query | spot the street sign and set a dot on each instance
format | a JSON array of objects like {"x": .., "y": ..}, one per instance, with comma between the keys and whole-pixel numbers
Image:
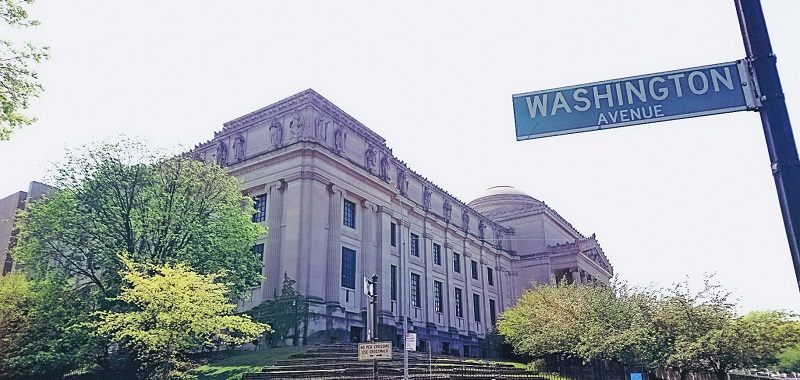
[
  {"x": 375, "y": 351},
  {"x": 411, "y": 342},
  {"x": 367, "y": 287},
  {"x": 679, "y": 94}
]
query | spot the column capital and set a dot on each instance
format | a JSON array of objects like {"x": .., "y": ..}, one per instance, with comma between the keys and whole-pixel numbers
[
  {"x": 333, "y": 189},
  {"x": 367, "y": 204},
  {"x": 277, "y": 185}
]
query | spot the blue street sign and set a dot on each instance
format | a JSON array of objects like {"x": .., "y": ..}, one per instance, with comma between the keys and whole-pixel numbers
[{"x": 698, "y": 91}]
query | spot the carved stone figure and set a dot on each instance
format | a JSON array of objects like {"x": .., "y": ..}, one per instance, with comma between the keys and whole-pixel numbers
[
  {"x": 426, "y": 198},
  {"x": 481, "y": 228},
  {"x": 465, "y": 219},
  {"x": 296, "y": 126},
  {"x": 321, "y": 129},
  {"x": 369, "y": 158},
  {"x": 238, "y": 147},
  {"x": 385, "y": 167},
  {"x": 222, "y": 154},
  {"x": 448, "y": 210},
  {"x": 402, "y": 184},
  {"x": 276, "y": 133},
  {"x": 339, "y": 138},
  {"x": 499, "y": 236}
]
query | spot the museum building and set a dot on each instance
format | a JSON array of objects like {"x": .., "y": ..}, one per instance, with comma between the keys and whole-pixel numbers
[{"x": 339, "y": 207}]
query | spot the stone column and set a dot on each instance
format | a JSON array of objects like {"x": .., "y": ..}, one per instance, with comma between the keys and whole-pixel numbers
[
  {"x": 333, "y": 272},
  {"x": 573, "y": 272},
  {"x": 272, "y": 259}
]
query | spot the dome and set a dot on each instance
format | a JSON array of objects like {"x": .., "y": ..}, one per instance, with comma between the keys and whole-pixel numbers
[{"x": 501, "y": 197}]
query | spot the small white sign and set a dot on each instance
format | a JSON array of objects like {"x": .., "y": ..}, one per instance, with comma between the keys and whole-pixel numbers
[
  {"x": 375, "y": 351},
  {"x": 411, "y": 342},
  {"x": 366, "y": 287}
]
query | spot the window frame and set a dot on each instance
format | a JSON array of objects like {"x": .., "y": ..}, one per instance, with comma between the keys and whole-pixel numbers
[
  {"x": 437, "y": 254},
  {"x": 459, "y": 301},
  {"x": 348, "y": 275},
  {"x": 414, "y": 245},
  {"x": 490, "y": 276},
  {"x": 437, "y": 296},
  {"x": 260, "y": 205},
  {"x": 474, "y": 266},
  {"x": 416, "y": 298},
  {"x": 349, "y": 214},
  {"x": 393, "y": 283},
  {"x": 456, "y": 262},
  {"x": 393, "y": 234},
  {"x": 476, "y": 306}
]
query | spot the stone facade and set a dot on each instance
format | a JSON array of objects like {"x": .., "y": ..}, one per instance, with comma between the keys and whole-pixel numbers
[{"x": 339, "y": 206}]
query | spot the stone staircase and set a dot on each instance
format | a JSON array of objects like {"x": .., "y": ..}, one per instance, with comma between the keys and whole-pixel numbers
[{"x": 340, "y": 361}]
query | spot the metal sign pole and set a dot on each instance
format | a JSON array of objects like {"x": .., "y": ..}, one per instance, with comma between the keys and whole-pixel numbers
[
  {"x": 775, "y": 121},
  {"x": 374, "y": 302}
]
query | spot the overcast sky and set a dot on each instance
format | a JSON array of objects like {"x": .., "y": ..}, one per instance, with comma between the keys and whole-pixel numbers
[{"x": 666, "y": 200}]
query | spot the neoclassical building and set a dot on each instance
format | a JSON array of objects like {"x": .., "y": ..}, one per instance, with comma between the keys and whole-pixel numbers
[{"x": 339, "y": 206}]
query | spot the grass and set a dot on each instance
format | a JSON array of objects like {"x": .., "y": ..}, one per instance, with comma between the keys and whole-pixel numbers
[{"x": 232, "y": 366}]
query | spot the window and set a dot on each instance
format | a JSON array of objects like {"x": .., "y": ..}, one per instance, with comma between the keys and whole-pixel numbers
[
  {"x": 476, "y": 307},
  {"x": 393, "y": 239},
  {"x": 415, "y": 245},
  {"x": 415, "y": 299},
  {"x": 459, "y": 304},
  {"x": 437, "y": 296},
  {"x": 437, "y": 254},
  {"x": 456, "y": 262},
  {"x": 393, "y": 293},
  {"x": 492, "y": 311},
  {"x": 261, "y": 208},
  {"x": 349, "y": 218},
  {"x": 490, "y": 276},
  {"x": 474, "y": 270},
  {"x": 348, "y": 268},
  {"x": 258, "y": 251}
]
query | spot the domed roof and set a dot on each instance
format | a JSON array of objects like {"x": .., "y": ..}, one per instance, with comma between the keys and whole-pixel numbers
[{"x": 501, "y": 197}]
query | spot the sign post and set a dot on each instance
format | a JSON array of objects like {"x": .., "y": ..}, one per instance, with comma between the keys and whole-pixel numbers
[{"x": 775, "y": 121}]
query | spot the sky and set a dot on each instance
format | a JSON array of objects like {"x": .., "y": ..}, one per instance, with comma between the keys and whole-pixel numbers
[{"x": 668, "y": 201}]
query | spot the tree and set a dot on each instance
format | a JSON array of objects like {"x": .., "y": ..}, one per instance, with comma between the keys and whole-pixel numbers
[
  {"x": 15, "y": 296},
  {"x": 121, "y": 197},
  {"x": 171, "y": 311},
  {"x": 56, "y": 338},
  {"x": 287, "y": 315},
  {"x": 18, "y": 82},
  {"x": 587, "y": 322}
]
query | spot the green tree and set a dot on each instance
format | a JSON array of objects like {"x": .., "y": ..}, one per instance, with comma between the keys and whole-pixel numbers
[
  {"x": 56, "y": 339},
  {"x": 588, "y": 322},
  {"x": 15, "y": 297},
  {"x": 287, "y": 314},
  {"x": 18, "y": 82},
  {"x": 120, "y": 197},
  {"x": 171, "y": 312}
]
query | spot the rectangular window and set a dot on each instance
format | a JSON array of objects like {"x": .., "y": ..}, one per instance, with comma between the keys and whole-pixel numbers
[
  {"x": 415, "y": 296},
  {"x": 261, "y": 208},
  {"x": 459, "y": 304},
  {"x": 349, "y": 218},
  {"x": 490, "y": 276},
  {"x": 437, "y": 254},
  {"x": 393, "y": 236},
  {"x": 492, "y": 312},
  {"x": 456, "y": 262},
  {"x": 476, "y": 307},
  {"x": 258, "y": 251},
  {"x": 437, "y": 296},
  {"x": 348, "y": 268},
  {"x": 474, "y": 270},
  {"x": 415, "y": 245},
  {"x": 393, "y": 294}
]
